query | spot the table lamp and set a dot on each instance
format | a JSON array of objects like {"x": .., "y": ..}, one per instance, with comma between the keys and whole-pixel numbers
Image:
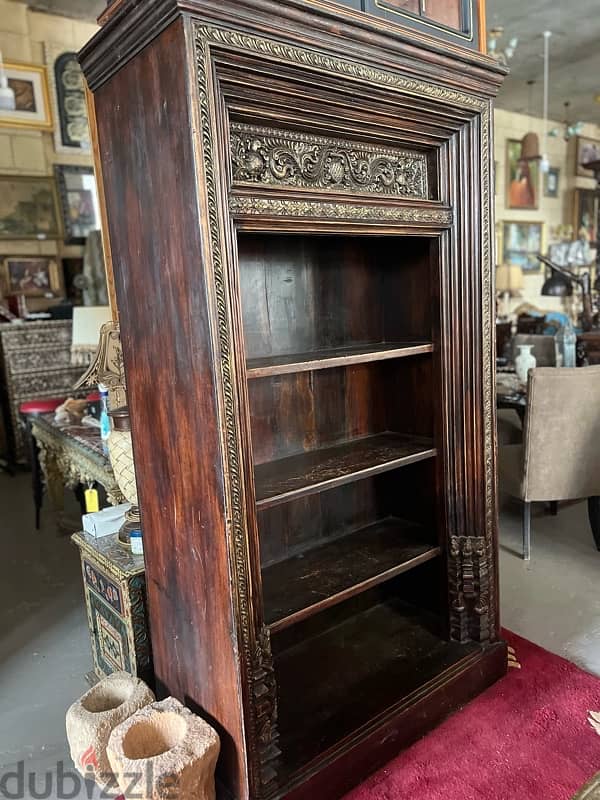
[
  {"x": 509, "y": 282},
  {"x": 87, "y": 321}
]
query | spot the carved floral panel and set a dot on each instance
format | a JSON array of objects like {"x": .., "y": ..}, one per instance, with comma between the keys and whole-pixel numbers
[{"x": 266, "y": 156}]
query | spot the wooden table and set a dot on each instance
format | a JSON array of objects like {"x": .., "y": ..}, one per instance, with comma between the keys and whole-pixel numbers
[
  {"x": 510, "y": 392},
  {"x": 70, "y": 456}
]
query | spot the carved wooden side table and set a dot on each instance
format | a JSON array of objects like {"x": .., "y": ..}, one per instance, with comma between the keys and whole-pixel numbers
[
  {"x": 71, "y": 455},
  {"x": 114, "y": 583}
]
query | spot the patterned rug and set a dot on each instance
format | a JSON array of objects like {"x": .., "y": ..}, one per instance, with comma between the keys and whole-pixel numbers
[{"x": 525, "y": 738}]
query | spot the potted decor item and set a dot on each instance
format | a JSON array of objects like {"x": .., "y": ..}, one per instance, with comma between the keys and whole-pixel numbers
[
  {"x": 524, "y": 361},
  {"x": 120, "y": 451}
]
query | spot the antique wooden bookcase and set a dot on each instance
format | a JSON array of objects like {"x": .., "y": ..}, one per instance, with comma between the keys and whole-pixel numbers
[{"x": 299, "y": 212}]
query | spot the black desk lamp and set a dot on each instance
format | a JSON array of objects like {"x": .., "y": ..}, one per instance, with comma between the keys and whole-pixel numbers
[{"x": 560, "y": 284}]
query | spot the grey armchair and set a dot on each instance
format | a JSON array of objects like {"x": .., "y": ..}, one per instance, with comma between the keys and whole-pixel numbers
[
  {"x": 544, "y": 348},
  {"x": 559, "y": 458}
]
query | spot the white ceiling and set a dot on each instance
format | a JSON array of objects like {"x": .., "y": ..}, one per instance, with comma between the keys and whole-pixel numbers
[
  {"x": 76, "y": 9},
  {"x": 574, "y": 55}
]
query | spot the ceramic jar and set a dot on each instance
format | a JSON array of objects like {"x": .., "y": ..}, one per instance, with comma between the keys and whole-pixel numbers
[{"x": 524, "y": 361}]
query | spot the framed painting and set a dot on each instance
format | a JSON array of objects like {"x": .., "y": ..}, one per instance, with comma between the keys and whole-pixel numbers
[
  {"x": 586, "y": 150},
  {"x": 31, "y": 276},
  {"x": 521, "y": 243},
  {"x": 29, "y": 82},
  {"x": 551, "y": 182},
  {"x": 29, "y": 208},
  {"x": 79, "y": 201},
  {"x": 67, "y": 94},
  {"x": 585, "y": 213},
  {"x": 522, "y": 178}
]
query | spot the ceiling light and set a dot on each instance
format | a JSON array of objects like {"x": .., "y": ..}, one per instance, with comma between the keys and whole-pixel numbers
[{"x": 501, "y": 56}]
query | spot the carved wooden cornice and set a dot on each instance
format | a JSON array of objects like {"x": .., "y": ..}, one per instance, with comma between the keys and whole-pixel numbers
[{"x": 134, "y": 23}]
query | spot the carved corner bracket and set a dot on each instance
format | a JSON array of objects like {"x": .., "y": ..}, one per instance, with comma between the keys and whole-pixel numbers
[
  {"x": 264, "y": 691},
  {"x": 469, "y": 588}
]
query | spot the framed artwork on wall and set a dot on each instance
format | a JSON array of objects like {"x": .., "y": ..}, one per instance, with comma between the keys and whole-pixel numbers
[
  {"x": 31, "y": 276},
  {"x": 29, "y": 208},
  {"x": 521, "y": 242},
  {"x": 79, "y": 201},
  {"x": 551, "y": 181},
  {"x": 585, "y": 213},
  {"x": 67, "y": 93},
  {"x": 522, "y": 178},
  {"x": 29, "y": 82},
  {"x": 586, "y": 150}
]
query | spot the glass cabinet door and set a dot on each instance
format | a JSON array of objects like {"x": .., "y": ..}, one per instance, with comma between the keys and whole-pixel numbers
[{"x": 453, "y": 20}]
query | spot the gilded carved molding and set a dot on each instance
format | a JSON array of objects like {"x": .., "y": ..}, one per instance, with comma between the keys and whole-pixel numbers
[
  {"x": 337, "y": 66},
  {"x": 323, "y": 209},
  {"x": 272, "y": 157},
  {"x": 254, "y": 645},
  {"x": 488, "y": 316},
  {"x": 254, "y": 649}
]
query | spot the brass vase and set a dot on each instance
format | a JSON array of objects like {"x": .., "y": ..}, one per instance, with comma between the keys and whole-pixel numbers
[{"x": 120, "y": 451}]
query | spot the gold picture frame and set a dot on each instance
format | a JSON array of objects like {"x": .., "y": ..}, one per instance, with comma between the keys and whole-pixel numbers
[
  {"x": 520, "y": 240},
  {"x": 31, "y": 276},
  {"x": 32, "y": 94},
  {"x": 522, "y": 179},
  {"x": 29, "y": 208},
  {"x": 585, "y": 212},
  {"x": 586, "y": 149}
]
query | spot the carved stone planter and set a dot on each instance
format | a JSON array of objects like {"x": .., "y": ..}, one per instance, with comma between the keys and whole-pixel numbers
[
  {"x": 91, "y": 720},
  {"x": 169, "y": 752}
]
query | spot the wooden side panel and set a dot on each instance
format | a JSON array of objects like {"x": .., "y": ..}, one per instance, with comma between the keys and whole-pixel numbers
[{"x": 146, "y": 145}]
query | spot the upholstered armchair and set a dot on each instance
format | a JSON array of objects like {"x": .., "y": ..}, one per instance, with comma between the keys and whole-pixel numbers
[{"x": 559, "y": 458}]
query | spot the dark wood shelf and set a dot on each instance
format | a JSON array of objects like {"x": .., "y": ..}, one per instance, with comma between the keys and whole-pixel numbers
[
  {"x": 353, "y": 672},
  {"x": 312, "y": 581},
  {"x": 334, "y": 357},
  {"x": 308, "y": 473}
]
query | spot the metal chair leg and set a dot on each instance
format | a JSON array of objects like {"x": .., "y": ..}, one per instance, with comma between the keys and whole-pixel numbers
[
  {"x": 526, "y": 531},
  {"x": 37, "y": 480},
  {"x": 594, "y": 517}
]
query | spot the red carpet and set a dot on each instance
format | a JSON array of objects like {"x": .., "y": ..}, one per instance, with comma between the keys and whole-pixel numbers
[{"x": 526, "y": 738}]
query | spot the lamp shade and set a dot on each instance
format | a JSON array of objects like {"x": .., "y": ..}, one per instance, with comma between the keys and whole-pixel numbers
[
  {"x": 87, "y": 322},
  {"x": 557, "y": 286},
  {"x": 530, "y": 147},
  {"x": 509, "y": 278}
]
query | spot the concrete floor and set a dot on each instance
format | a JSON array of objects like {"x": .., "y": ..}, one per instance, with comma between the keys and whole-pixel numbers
[{"x": 44, "y": 644}]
